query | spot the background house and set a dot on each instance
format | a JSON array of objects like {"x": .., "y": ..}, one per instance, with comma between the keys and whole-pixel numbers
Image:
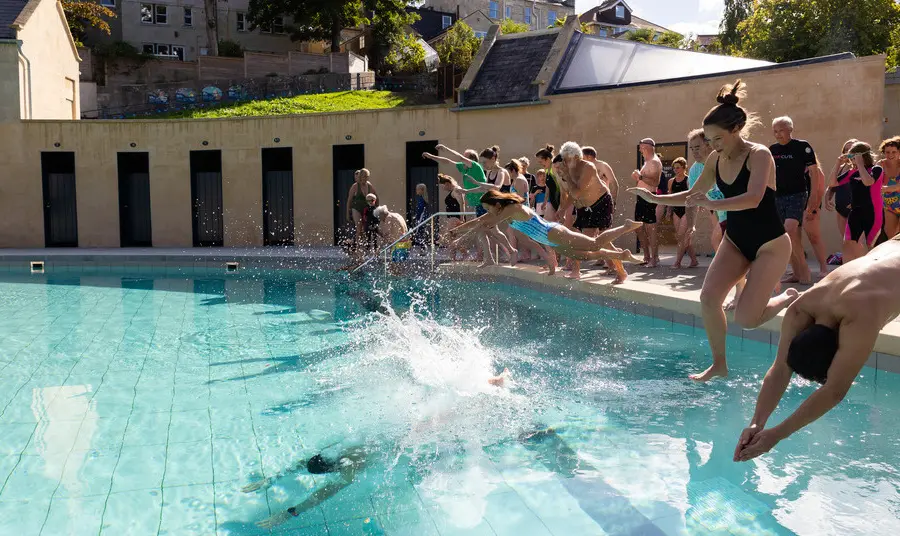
[
  {"x": 613, "y": 18},
  {"x": 538, "y": 14},
  {"x": 39, "y": 64}
]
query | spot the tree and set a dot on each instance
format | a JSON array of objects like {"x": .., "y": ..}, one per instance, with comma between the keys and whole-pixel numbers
[
  {"x": 459, "y": 46},
  {"x": 671, "y": 40},
  {"x": 788, "y": 30},
  {"x": 584, "y": 27},
  {"x": 84, "y": 15},
  {"x": 647, "y": 35},
  {"x": 641, "y": 35},
  {"x": 509, "y": 26},
  {"x": 406, "y": 56},
  {"x": 212, "y": 28},
  {"x": 736, "y": 12}
]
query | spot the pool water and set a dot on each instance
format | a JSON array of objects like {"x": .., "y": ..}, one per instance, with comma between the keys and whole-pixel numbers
[{"x": 143, "y": 405}]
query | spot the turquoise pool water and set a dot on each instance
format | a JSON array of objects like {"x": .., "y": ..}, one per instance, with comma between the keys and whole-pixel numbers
[{"x": 143, "y": 405}]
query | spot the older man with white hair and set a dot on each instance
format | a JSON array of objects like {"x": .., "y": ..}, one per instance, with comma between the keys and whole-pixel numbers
[
  {"x": 593, "y": 202},
  {"x": 392, "y": 227},
  {"x": 800, "y": 187}
]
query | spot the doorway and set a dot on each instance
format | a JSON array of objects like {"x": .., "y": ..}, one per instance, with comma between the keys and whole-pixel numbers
[
  {"x": 206, "y": 198},
  {"x": 58, "y": 185},
  {"x": 134, "y": 200},
  {"x": 346, "y": 159},
  {"x": 278, "y": 196}
]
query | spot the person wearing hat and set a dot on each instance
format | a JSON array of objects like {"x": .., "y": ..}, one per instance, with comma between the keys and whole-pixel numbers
[
  {"x": 827, "y": 335},
  {"x": 645, "y": 212}
]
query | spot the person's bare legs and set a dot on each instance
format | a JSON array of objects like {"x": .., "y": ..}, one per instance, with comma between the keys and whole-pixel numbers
[
  {"x": 727, "y": 268},
  {"x": 653, "y": 243},
  {"x": 488, "y": 253},
  {"x": 798, "y": 259},
  {"x": 813, "y": 229},
  {"x": 891, "y": 223},
  {"x": 576, "y": 264},
  {"x": 853, "y": 250},
  {"x": 691, "y": 226},
  {"x": 756, "y": 305},
  {"x": 715, "y": 235},
  {"x": 680, "y": 232}
]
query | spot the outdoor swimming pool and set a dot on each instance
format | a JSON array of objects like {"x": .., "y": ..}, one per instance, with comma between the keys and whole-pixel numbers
[{"x": 142, "y": 405}]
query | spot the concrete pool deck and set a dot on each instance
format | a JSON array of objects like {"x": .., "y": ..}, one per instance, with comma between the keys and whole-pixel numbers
[{"x": 662, "y": 293}]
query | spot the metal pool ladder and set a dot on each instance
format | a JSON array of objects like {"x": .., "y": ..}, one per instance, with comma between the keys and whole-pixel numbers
[{"x": 430, "y": 221}]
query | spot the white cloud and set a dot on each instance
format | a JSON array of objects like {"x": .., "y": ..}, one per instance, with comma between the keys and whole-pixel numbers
[
  {"x": 696, "y": 28},
  {"x": 712, "y": 6}
]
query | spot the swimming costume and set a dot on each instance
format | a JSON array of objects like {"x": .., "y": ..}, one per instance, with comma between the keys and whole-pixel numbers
[
  {"x": 553, "y": 190},
  {"x": 644, "y": 211},
  {"x": 752, "y": 228},
  {"x": 358, "y": 203},
  {"x": 866, "y": 215},
  {"x": 597, "y": 216},
  {"x": 694, "y": 173},
  {"x": 537, "y": 229},
  {"x": 842, "y": 200},
  {"x": 479, "y": 211},
  {"x": 400, "y": 252},
  {"x": 678, "y": 187},
  {"x": 512, "y": 190},
  {"x": 452, "y": 205},
  {"x": 892, "y": 199}
]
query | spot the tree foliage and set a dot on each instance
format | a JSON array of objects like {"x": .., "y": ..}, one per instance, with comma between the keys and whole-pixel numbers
[
  {"x": 230, "y": 49},
  {"x": 323, "y": 20},
  {"x": 671, "y": 40},
  {"x": 560, "y": 22},
  {"x": 736, "y": 12},
  {"x": 459, "y": 46},
  {"x": 647, "y": 35},
  {"x": 84, "y": 15},
  {"x": 788, "y": 30},
  {"x": 509, "y": 26},
  {"x": 406, "y": 56}
]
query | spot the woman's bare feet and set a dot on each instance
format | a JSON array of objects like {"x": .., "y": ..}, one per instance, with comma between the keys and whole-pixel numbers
[
  {"x": 574, "y": 274},
  {"x": 628, "y": 256},
  {"x": 694, "y": 263},
  {"x": 715, "y": 371}
]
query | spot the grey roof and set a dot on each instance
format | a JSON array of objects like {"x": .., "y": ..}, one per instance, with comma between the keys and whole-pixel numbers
[
  {"x": 9, "y": 11},
  {"x": 509, "y": 69}
]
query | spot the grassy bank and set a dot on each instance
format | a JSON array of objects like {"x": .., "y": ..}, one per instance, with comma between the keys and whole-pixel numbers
[{"x": 344, "y": 101}]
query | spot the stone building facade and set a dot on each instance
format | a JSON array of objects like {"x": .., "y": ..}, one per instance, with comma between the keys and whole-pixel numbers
[{"x": 538, "y": 14}]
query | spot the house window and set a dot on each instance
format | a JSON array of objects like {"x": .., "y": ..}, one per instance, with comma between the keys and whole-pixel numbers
[
  {"x": 241, "y": 22},
  {"x": 154, "y": 14},
  {"x": 480, "y": 35},
  {"x": 620, "y": 11},
  {"x": 70, "y": 96},
  {"x": 551, "y": 18},
  {"x": 508, "y": 12},
  {"x": 494, "y": 10},
  {"x": 278, "y": 25},
  {"x": 163, "y": 50},
  {"x": 188, "y": 16},
  {"x": 602, "y": 32},
  {"x": 108, "y": 3},
  {"x": 147, "y": 13},
  {"x": 148, "y": 48},
  {"x": 527, "y": 15},
  {"x": 162, "y": 16},
  {"x": 178, "y": 51},
  {"x": 446, "y": 22}
]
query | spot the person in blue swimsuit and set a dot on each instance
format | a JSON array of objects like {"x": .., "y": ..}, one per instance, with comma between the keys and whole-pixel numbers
[
  {"x": 551, "y": 235},
  {"x": 755, "y": 244}
]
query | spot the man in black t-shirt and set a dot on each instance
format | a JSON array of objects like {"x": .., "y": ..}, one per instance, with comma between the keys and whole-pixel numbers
[{"x": 793, "y": 160}]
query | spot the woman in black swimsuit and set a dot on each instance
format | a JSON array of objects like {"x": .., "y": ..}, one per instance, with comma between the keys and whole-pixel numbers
[
  {"x": 683, "y": 225},
  {"x": 838, "y": 198},
  {"x": 755, "y": 244},
  {"x": 554, "y": 192}
]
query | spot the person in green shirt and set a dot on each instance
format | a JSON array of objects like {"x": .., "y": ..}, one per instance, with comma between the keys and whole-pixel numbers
[{"x": 474, "y": 181}]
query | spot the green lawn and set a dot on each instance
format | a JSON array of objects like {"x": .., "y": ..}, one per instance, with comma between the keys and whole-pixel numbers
[{"x": 343, "y": 101}]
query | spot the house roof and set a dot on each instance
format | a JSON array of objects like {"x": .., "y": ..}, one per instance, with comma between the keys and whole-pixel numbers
[
  {"x": 11, "y": 11},
  {"x": 469, "y": 16},
  {"x": 644, "y": 23},
  {"x": 431, "y": 22},
  {"x": 509, "y": 69}
]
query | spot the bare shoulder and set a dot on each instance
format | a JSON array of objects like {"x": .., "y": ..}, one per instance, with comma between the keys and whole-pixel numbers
[{"x": 760, "y": 155}]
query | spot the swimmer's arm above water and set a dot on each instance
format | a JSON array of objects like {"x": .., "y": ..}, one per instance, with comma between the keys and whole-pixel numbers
[
  {"x": 856, "y": 341},
  {"x": 436, "y": 158},
  {"x": 482, "y": 187},
  {"x": 318, "y": 497},
  {"x": 466, "y": 161}
]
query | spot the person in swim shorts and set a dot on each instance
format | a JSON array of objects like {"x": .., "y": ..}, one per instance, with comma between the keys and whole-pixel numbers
[
  {"x": 755, "y": 243},
  {"x": 392, "y": 227},
  {"x": 648, "y": 178},
  {"x": 552, "y": 236},
  {"x": 827, "y": 335}
]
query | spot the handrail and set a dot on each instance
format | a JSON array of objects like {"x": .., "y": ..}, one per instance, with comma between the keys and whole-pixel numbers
[{"x": 411, "y": 231}]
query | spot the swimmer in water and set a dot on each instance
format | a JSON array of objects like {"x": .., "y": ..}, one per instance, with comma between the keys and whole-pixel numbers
[
  {"x": 502, "y": 207},
  {"x": 826, "y": 336}
]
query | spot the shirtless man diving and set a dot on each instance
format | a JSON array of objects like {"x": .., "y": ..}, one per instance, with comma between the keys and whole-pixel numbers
[
  {"x": 592, "y": 199},
  {"x": 827, "y": 335},
  {"x": 648, "y": 178}
]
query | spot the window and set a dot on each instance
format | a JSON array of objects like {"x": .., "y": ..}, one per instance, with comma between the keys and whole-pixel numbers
[
  {"x": 241, "y": 22},
  {"x": 551, "y": 18},
  {"x": 620, "y": 11},
  {"x": 508, "y": 12},
  {"x": 70, "y": 96},
  {"x": 178, "y": 51},
  {"x": 188, "y": 16},
  {"x": 108, "y": 3},
  {"x": 446, "y": 22},
  {"x": 480, "y": 35},
  {"x": 163, "y": 50},
  {"x": 148, "y": 48},
  {"x": 494, "y": 10},
  {"x": 278, "y": 25},
  {"x": 602, "y": 32},
  {"x": 527, "y": 15},
  {"x": 154, "y": 14}
]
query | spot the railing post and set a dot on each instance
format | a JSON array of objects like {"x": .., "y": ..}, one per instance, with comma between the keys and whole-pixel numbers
[{"x": 432, "y": 244}]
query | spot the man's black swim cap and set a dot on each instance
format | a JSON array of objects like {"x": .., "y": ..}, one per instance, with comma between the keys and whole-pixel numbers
[
  {"x": 812, "y": 351},
  {"x": 318, "y": 465}
]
